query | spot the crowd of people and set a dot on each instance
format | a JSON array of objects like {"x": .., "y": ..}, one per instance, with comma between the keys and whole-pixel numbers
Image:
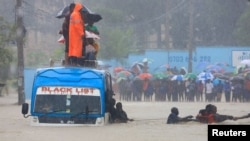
[
  {"x": 79, "y": 48},
  {"x": 184, "y": 90}
]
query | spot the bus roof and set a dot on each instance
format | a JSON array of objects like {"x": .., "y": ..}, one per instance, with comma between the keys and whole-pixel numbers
[{"x": 69, "y": 76}]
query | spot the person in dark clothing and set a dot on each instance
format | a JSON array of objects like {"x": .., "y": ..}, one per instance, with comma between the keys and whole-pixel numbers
[
  {"x": 112, "y": 110},
  {"x": 121, "y": 115},
  {"x": 65, "y": 32},
  {"x": 173, "y": 117}
]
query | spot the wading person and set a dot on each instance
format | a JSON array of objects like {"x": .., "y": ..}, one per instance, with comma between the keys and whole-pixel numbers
[{"x": 173, "y": 117}]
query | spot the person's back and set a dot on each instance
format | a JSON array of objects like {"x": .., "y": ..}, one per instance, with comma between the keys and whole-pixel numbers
[
  {"x": 121, "y": 115},
  {"x": 112, "y": 110},
  {"x": 173, "y": 117}
]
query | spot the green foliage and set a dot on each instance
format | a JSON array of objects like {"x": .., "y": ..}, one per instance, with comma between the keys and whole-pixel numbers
[
  {"x": 6, "y": 36},
  {"x": 116, "y": 44},
  {"x": 59, "y": 53},
  {"x": 6, "y": 54},
  {"x": 242, "y": 32},
  {"x": 37, "y": 59}
]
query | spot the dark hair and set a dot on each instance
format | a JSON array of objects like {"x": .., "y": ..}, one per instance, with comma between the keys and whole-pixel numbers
[
  {"x": 72, "y": 6},
  {"x": 119, "y": 105},
  {"x": 175, "y": 110}
]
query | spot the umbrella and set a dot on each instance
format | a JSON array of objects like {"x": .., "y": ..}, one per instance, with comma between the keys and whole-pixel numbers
[
  {"x": 190, "y": 76},
  {"x": 91, "y": 35},
  {"x": 205, "y": 76},
  {"x": 237, "y": 78},
  {"x": 221, "y": 76},
  {"x": 163, "y": 67},
  {"x": 124, "y": 74},
  {"x": 215, "y": 68},
  {"x": 120, "y": 79},
  {"x": 137, "y": 67},
  {"x": 216, "y": 81},
  {"x": 245, "y": 62},
  {"x": 183, "y": 70},
  {"x": 177, "y": 77},
  {"x": 145, "y": 75},
  {"x": 61, "y": 40},
  {"x": 137, "y": 64},
  {"x": 202, "y": 65},
  {"x": 160, "y": 75},
  {"x": 144, "y": 60},
  {"x": 90, "y": 16},
  {"x": 118, "y": 69},
  {"x": 63, "y": 12}
]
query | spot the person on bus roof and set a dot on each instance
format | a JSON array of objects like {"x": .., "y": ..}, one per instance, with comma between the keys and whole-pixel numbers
[{"x": 76, "y": 34}]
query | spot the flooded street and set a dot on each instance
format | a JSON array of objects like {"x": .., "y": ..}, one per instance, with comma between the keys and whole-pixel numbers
[{"x": 150, "y": 123}]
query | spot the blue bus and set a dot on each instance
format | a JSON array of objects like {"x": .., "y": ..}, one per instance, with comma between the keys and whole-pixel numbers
[{"x": 70, "y": 96}]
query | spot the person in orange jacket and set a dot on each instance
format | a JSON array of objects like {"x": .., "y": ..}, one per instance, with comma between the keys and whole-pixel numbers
[
  {"x": 76, "y": 34},
  {"x": 65, "y": 32},
  {"x": 209, "y": 115}
]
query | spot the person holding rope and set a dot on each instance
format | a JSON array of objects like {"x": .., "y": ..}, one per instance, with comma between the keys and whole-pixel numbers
[
  {"x": 121, "y": 115},
  {"x": 209, "y": 115},
  {"x": 173, "y": 117}
]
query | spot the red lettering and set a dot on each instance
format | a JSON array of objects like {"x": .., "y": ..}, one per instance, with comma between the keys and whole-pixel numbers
[
  {"x": 56, "y": 90},
  {"x": 78, "y": 91},
  {"x": 91, "y": 90},
  {"x": 46, "y": 89},
  {"x": 69, "y": 90},
  {"x": 86, "y": 91}
]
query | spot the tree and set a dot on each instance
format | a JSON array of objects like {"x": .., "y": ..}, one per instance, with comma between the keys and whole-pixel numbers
[
  {"x": 6, "y": 54},
  {"x": 117, "y": 44},
  {"x": 242, "y": 31}
]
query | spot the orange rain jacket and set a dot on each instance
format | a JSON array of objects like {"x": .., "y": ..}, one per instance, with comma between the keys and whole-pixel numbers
[{"x": 76, "y": 32}]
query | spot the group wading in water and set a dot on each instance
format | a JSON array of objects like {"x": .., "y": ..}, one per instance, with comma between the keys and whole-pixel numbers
[{"x": 208, "y": 115}]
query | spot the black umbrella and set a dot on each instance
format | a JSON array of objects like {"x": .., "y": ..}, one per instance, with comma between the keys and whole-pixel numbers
[
  {"x": 63, "y": 12},
  {"x": 90, "y": 16}
]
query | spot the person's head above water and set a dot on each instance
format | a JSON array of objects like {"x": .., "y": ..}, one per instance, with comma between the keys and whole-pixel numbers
[{"x": 175, "y": 110}]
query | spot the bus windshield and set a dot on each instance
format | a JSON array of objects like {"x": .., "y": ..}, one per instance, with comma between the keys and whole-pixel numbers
[{"x": 71, "y": 102}]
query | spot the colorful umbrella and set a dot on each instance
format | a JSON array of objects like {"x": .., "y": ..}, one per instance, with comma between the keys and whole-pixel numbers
[
  {"x": 124, "y": 74},
  {"x": 190, "y": 76},
  {"x": 215, "y": 68},
  {"x": 163, "y": 67},
  {"x": 202, "y": 65},
  {"x": 245, "y": 62},
  {"x": 145, "y": 75},
  {"x": 221, "y": 76},
  {"x": 91, "y": 35},
  {"x": 177, "y": 77},
  {"x": 118, "y": 69},
  {"x": 205, "y": 76},
  {"x": 160, "y": 75}
]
